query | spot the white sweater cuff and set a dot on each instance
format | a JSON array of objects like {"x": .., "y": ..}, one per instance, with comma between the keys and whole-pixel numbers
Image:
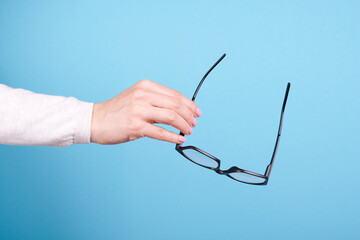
[{"x": 83, "y": 127}]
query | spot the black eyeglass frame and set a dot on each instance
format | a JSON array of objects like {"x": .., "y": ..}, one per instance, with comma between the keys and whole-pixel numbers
[{"x": 235, "y": 169}]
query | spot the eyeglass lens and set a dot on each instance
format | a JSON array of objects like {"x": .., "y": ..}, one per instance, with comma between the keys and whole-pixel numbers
[
  {"x": 244, "y": 177},
  {"x": 207, "y": 161},
  {"x": 200, "y": 158}
]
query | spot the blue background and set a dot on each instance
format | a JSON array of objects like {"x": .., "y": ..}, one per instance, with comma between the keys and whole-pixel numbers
[{"x": 93, "y": 50}]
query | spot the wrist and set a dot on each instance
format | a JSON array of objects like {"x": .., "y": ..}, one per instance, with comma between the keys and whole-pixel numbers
[{"x": 95, "y": 125}]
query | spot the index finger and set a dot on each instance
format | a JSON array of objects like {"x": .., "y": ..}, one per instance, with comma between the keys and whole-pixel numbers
[{"x": 154, "y": 86}]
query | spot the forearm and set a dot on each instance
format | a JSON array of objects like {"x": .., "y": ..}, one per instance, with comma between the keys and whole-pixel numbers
[{"x": 27, "y": 118}]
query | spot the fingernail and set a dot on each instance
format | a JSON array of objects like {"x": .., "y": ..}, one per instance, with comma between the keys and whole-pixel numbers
[
  {"x": 194, "y": 123},
  {"x": 190, "y": 131},
  {"x": 182, "y": 139},
  {"x": 198, "y": 112}
]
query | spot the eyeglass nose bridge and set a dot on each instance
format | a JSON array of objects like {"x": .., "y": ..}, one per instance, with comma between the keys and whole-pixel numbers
[
  {"x": 226, "y": 172},
  {"x": 218, "y": 171}
]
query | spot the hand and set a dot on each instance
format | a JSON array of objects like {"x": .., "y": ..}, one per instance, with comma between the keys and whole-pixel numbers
[{"x": 131, "y": 114}]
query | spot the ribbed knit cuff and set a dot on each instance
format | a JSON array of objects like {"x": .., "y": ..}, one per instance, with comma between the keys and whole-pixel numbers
[{"x": 83, "y": 126}]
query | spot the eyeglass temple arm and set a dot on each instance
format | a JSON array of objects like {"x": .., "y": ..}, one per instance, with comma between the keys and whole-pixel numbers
[
  {"x": 206, "y": 74},
  {"x": 269, "y": 167},
  {"x": 202, "y": 80}
]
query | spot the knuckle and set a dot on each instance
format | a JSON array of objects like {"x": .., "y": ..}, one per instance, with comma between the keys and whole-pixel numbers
[
  {"x": 190, "y": 119},
  {"x": 137, "y": 133},
  {"x": 133, "y": 138},
  {"x": 162, "y": 133},
  {"x": 193, "y": 106},
  {"x": 171, "y": 117},
  {"x": 177, "y": 93},
  {"x": 134, "y": 126},
  {"x": 138, "y": 93},
  {"x": 144, "y": 83},
  {"x": 176, "y": 103}
]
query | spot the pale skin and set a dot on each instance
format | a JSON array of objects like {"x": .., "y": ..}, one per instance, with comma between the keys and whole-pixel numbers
[{"x": 131, "y": 115}]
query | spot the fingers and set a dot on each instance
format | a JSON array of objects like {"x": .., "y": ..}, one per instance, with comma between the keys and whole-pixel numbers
[
  {"x": 169, "y": 117},
  {"x": 159, "y": 133},
  {"x": 172, "y": 103},
  {"x": 161, "y": 104},
  {"x": 156, "y": 87}
]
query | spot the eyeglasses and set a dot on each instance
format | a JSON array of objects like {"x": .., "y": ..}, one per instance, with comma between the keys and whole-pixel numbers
[{"x": 207, "y": 160}]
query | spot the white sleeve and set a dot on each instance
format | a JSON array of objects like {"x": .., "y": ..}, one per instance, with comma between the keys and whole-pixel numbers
[{"x": 27, "y": 118}]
